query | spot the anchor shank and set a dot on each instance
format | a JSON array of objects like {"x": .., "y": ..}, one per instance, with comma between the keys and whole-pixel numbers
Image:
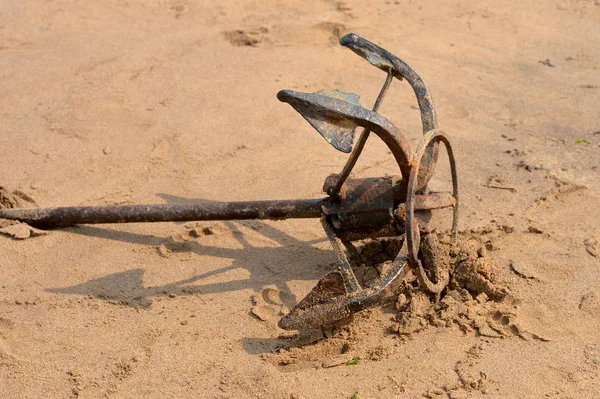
[{"x": 202, "y": 211}]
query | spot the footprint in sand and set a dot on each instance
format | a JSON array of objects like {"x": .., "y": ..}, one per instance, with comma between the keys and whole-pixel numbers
[{"x": 6, "y": 326}]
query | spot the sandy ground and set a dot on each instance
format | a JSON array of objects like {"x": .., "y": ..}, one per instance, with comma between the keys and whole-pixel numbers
[{"x": 124, "y": 102}]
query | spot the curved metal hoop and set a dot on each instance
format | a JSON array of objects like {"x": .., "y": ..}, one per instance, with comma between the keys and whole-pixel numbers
[{"x": 412, "y": 230}]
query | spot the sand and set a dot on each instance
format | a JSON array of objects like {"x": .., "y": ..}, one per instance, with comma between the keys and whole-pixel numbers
[{"x": 125, "y": 102}]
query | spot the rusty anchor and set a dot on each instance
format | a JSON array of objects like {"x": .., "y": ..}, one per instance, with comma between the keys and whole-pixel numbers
[{"x": 355, "y": 209}]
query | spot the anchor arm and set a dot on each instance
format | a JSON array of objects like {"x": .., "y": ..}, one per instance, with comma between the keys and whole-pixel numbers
[
  {"x": 336, "y": 112},
  {"x": 387, "y": 62}
]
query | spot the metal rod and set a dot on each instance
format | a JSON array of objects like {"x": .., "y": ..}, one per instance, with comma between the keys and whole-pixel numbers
[
  {"x": 360, "y": 143},
  {"x": 345, "y": 268},
  {"x": 66, "y": 216},
  {"x": 206, "y": 210}
]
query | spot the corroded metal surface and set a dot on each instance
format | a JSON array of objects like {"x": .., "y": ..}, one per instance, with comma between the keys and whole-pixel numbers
[
  {"x": 331, "y": 303},
  {"x": 65, "y": 216},
  {"x": 337, "y": 132},
  {"x": 338, "y": 111},
  {"x": 354, "y": 209},
  {"x": 365, "y": 209}
]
